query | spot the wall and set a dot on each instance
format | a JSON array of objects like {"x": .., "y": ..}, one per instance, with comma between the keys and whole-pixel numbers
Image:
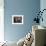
[
  {"x": 1, "y": 20},
  {"x": 43, "y": 6},
  {"x": 28, "y": 8}
]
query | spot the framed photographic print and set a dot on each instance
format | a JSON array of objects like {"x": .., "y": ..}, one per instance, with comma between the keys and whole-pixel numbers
[{"x": 17, "y": 19}]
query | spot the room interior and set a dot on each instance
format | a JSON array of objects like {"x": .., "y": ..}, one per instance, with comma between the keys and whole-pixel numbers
[{"x": 16, "y": 33}]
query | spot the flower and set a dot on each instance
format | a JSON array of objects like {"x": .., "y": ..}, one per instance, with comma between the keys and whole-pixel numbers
[{"x": 39, "y": 16}]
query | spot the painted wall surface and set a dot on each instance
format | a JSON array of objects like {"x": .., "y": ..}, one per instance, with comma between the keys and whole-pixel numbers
[
  {"x": 43, "y": 6},
  {"x": 1, "y": 20},
  {"x": 28, "y": 8}
]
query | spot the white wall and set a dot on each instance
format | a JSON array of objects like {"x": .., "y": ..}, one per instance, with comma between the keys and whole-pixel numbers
[{"x": 1, "y": 20}]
